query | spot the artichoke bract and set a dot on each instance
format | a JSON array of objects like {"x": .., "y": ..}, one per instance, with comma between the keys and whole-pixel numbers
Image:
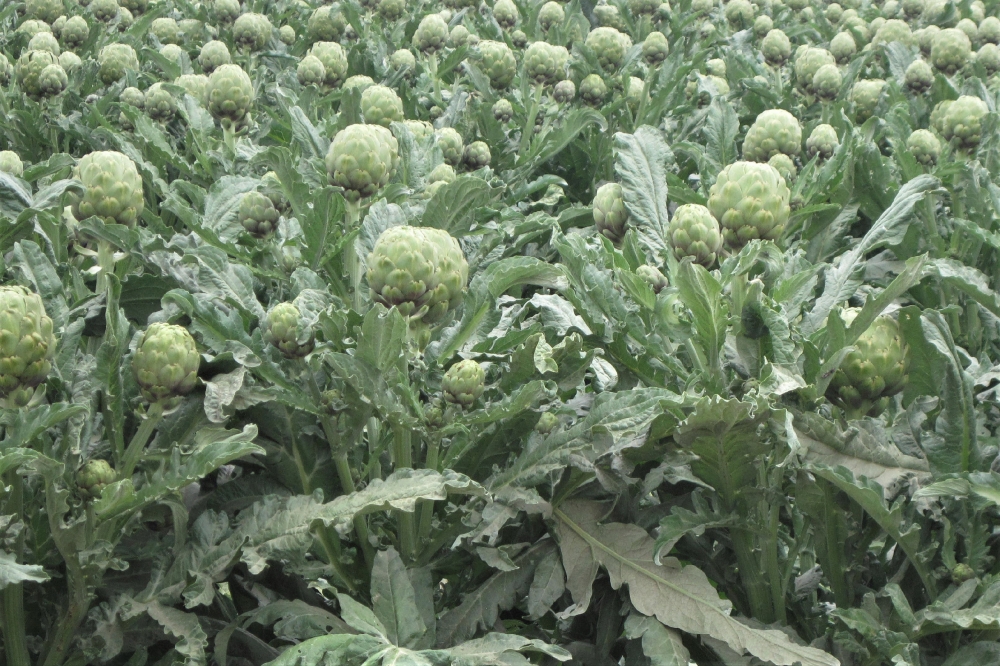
[
  {"x": 93, "y": 477},
  {"x": 874, "y": 372},
  {"x": 27, "y": 345},
  {"x": 419, "y": 271},
  {"x": 750, "y": 201},
  {"x": 112, "y": 188},
  {"x": 283, "y": 328},
  {"x": 693, "y": 232},
  {"x": 165, "y": 364},
  {"x": 361, "y": 159},
  {"x": 230, "y": 95},
  {"x": 610, "y": 214},
  {"x": 464, "y": 382},
  {"x": 775, "y": 131}
]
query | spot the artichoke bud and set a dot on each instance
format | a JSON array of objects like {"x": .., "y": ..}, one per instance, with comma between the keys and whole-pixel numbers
[
  {"x": 464, "y": 382},
  {"x": 165, "y": 364},
  {"x": 94, "y": 477},
  {"x": 653, "y": 277},
  {"x": 27, "y": 345},
  {"x": 962, "y": 572},
  {"x": 434, "y": 414},
  {"x": 333, "y": 402},
  {"x": 874, "y": 372},
  {"x": 284, "y": 329},
  {"x": 547, "y": 422}
]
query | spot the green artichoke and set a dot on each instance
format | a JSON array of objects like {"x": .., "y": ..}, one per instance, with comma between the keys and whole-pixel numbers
[
  {"x": 693, "y": 232},
  {"x": 593, "y": 90},
  {"x": 519, "y": 39},
  {"x": 564, "y": 92},
  {"x": 165, "y": 364},
  {"x": 380, "y": 105},
  {"x": 326, "y": 24},
  {"x": 258, "y": 215},
  {"x": 775, "y": 131},
  {"x": 310, "y": 71},
  {"x": 762, "y": 25},
  {"x": 334, "y": 61},
  {"x": 477, "y": 155},
  {"x": 195, "y": 85},
  {"x": 106, "y": 11},
  {"x": 865, "y": 96},
  {"x": 431, "y": 35},
  {"x": 843, "y": 47},
  {"x": 807, "y": 62},
  {"x": 822, "y": 141},
  {"x": 361, "y": 159},
  {"x": 750, "y": 201},
  {"x": 361, "y": 82},
  {"x": 133, "y": 97},
  {"x": 894, "y": 30},
  {"x": 776, "y": 48},
  {"x": 93, "y": 477},
  {"x": 286, "y": 34},
  {"x": 463, "y": 383},
  {"x": 610, "y": 214},
  {"x": 503, "y": 110},
  {"x": 962, "y": 123},
  {"x": 160, "y": 104},
  {"x": 609, "y": 16},
  {"x": 403, "y": 59},
  {"x": 230, "y": 95},
  {"x": 652, "y": 276},
  {"x": 497, "y": 62},
  {"x": 950, "y": 50},
  {"x": 546, "y": 423},
  {"x": 165, "y": 30},
  {"x": 655, "y": 48},
  {"x": 29, "y": 69},
  {"x": 451, "y": 144},
  {"x": 75, "y": 32},
  {"x": 919, "y": 76},
  {"x": 739, "y": 14},
  {"x": 69, "y": 61},
  {"x": 827, "y": 82},
  {"x": 609, "y": 47},
  {"x": 10, "y": 162},
  {"x": 6, "y": 70},
  {"x": 214, "y": 54},
  {"x": 988, "y": 56},
  {"x": 27, "y": 345},
  {"x": 251, "y": 32},
  {"x": 874, "y": 372},
  {"x": 392, "y": 10},
  {"x": 44, "y": 10},
  {"x": 136, "y": 7},
  {"x": 505, "y": 13},
  {"x": 989, "y": 30},
  {"x": 226, "y": 11},
  {"x": 924, "y": 146},
  {"x": 545, "y": 63},
  {"x": 112, "y": 188},
  {"x": 460, "y": 36},
  {"x": 420, "y": 271},
  {"x": 44, "y": 41},
  {"x": 442, "y": 173},
  {"x": 52, "y": 80},
  {"x": 283, "y": 328},
  {"x": 115, "y": 60}
]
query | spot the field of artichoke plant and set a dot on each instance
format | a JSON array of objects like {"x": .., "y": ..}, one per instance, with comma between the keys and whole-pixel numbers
[{"x": 499, "y": 333}]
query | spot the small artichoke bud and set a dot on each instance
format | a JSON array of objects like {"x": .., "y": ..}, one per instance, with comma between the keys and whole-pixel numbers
[
  {"x": 283, "y": 328},
  {"x": 434, "y": 414},
  {"x": 653, "y": 277},
  {"x": 464, "y": 382},
  {"x": 10, "y": 162},
  {"x": 94, "y": 477},
  {"x": 610, "y": 215},
  {"x": 477, "y": 155},
  {"x": 564, "y": 91},
  {"x": 27, "y": 345},
  {"x": 165, "y": 364},
  {"x": 547, "y": 422},
  {"x": 451, "y": 144},
  {"x": 503, "y": 110},
  {"x": 258, "y": 215},
  {"x": 872, "y": 373},
  {"x": 962, "y": 572}
]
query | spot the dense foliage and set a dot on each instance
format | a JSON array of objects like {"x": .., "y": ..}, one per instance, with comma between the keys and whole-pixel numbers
[{"x": 506, "y": 332}]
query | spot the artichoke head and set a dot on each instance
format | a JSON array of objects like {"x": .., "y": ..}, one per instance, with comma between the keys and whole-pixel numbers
[
  {"x": 464, "y": 382},
  {"x": 875, "y": 371},
  {"x": 165, "y": 364},
  {"x": 93, "y": 477},
  {"x": 27, "y": 344}
]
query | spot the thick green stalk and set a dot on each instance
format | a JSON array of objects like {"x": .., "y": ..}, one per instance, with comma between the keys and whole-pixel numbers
[
  {"x": 331, "y": 547},
  {"x": 14, "y": 634},
  {"x": 529, "y": 125},
  {"x": 351, "y": 259},
  {"x": 757, "y": 589},
  {"x": 78, "y": 598},
  {"x": 139, "y": 441},
  {"x": 427, "y": 506},
  {"x": 106, "y": 262},
  {"x": 374, "y": 430},
  {"x": 774, "y": 573},
  {"x": 403, "y": 458},
  {"x": 347, "y": 484}
]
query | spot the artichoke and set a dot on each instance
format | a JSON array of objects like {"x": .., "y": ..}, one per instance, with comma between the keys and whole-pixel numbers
[
  {"x": 865, "y": 96},
  {"x": 44, "y": 41},
  {"x": 693, "y": 232},
  {"x": 105, "y": 11},
  {"x": 497, "y": 62},
  {"x": 165, "y": 364},
  {"x": 460, "y": 36},
  {"x": 503, "y": 110},
  {"x": 843, "y": 47},
  {"x": 115, "y": 60},
  {"x": 924, "y": 146},
  {"x": 655, "y": 49},
  {"x": 69, "y": 61},
  {"x": 610, "y": 215},
  {"x": 988, "y": 56},
  {"x": 133, "y": 97},
  {"x": 251, "y": 32},
  {"x": 380, "y": 105},
  {"x": 477, "y": 155},
  {"x": 739, "y": 14},
  {"x": 464, "y": 382},
  {"x": 593, "y": 90},
  {"x": 286, "y": 34},
  {"x": 551, "y": 14},
  {"x": 361, "y": 82},
  {"x": 762, "y": 25},
  {"x": 419, "y": 271},
  {"x": 919, "y": 76},
  {"x": 894, "y": 30},
  {"x": 827, "y": 81},
  {"x": 546, "y": 423},
  {"x": 392, "y": 10},
  {"x": 403, "y": 59},
  {"x": 284, "y": 329},
  {"x": 784, "y": 165},
  {"x": 27, "y": 345},
  {"x": 361, "y": 159},
  {"x": 230, "y": 95},
  {"x": 310, "y": 71},
  {"x": 962, "y": 123},
  {"x": 214, "y": 54},
  {"x": 52, "y": 80},
  {"x": 226, "y": 11},
  {"x": 257, "y": 214},
  {"x": 608, "y": 16},
  {"x": 775, "y": 131},
  {"x": 505, "y": 13},
  {"x": 776, "y": 47},
  {"x": 326, "y": 24},
  {"x": 112, "y": 188},
  {"x": 75, "y": 32},
  {"x": 950, "y": 50},
  {"x": 989, "y": 30},
  {"x": 93, "y": 477},
  {"x": 807, "y": 62},
  {"x": 6, "y": 70},
  {"x": 652, "y": 276},
  {"x": 431, "y": 34},
  {"x": 875, "y": 371},
  {"x": 450, "y": 142},
  {"x": 44, "y": 10},
  {"x": 750, "y": 201},
  {"x": 29, "y": 70},
  {"x": 195, "y": 85},
  {"x": 10, "y": 162},
  {"x": 334, "y": 61},
  {"x": 609, "y": 47},
  {"x": 165, "y": 30},
  {"x": 519, "y": 39},
  {"x": 822, "y": 141},
  {"x": 544, "y": 63},
  {"x": 159, "y": 103},
  {"x": 564, "y": 92}
]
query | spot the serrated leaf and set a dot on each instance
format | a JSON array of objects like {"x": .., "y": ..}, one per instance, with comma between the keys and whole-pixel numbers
[{"x": 394, "y": 601}]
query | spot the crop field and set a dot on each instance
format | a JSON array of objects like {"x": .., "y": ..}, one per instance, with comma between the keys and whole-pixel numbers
[{"x": 499, "y": 333}]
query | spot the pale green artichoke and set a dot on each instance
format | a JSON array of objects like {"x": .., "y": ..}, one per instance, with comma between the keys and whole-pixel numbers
[
  {"x": 230, "y": 95},
  {"x": 750, "y": 201},
  {"x": 283, "y": 328},
  {"x": 924, "y": 146},
  {"x": 94, "y": 477},
  {"x": 27, "y": 345},
  {"x": 693, "y": 232},
  {"x": 610, "y": 214},
  {"x": 380, "y": 105},
  {"x": 165, "y": 364},
  {"x": 258, "y": 215},
  {"x": 464, "y": 383},
  {"x": 112, "y": 188},
  {"x": 775, "y": 131},
  {"x": 362, "y": 159},
  {"x": 874, "y": 372},
  {"x": 497, "y": 62}
]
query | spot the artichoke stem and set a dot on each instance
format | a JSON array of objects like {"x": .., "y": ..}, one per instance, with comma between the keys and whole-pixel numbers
[
  {"x": 332, "y": 550},
  {"x": 351, "y": 259},
  {"x": 427, "y": 506},
  {"x": 432, "y": 68},
  {"x": 229, "y": 136},
  {"x": 138, "y": 443},
  {"x": 403, "y": 458},
  {"x": 14, "y": 634},
  {"x": 373, "y": 452},
  {"x": 529, "y": 125},
  {"x": 106, "y": 261},
  {"x": 347, "y": 484}
]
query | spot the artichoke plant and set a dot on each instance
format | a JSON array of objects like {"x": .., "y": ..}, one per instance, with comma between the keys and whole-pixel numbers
[
  {"x": 421, "y": 272},
  {"x": 112, "y": 188},
  {"x": 874, "y": 372},
  {"x": 27, "y": 345},
  {"x": 464, "y": 383},
  {"x": 751, "y": 201},
  {"x": 361, "y": 159},
  {"x": 283, "y": 328},
  {"x": 165, "y": 364}
]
